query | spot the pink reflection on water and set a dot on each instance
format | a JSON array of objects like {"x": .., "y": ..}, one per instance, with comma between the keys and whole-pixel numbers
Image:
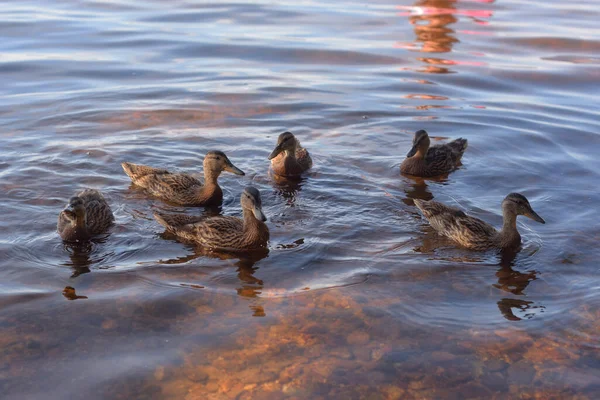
[
  {"x": 419, "y": 10},
  {"x": 432, "y": 21}
]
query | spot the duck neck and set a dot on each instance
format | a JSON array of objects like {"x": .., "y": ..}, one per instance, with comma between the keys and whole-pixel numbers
[
  {"x": 210, "y": 179},
  {"x": 420, "y": 155},
  {"x": 509, "y": 235},
  {"x": 250, "y": 221},
  {"x": 252, "y": 226}
]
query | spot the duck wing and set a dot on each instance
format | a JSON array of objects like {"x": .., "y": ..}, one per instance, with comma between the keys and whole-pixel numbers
[
  {"x": 440, "y": 159},
  {"x": 303, "y": 158},
  {"x": 220, "y": 232},
  {"x": 214, "y": 232},
  {"x": 177, "y": 182},
  {"x": 99, "y": 216},
  {"x": 177, "y": 188},
  {"x": 454, "y": 223},
  {"x": 458, "y": 147}
]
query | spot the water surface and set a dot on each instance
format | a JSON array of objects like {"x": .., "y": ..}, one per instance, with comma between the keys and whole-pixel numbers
[{"x": 357, "y": 297}]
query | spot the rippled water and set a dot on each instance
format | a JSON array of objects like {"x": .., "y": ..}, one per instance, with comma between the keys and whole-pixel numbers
[{"x": 357, "y": 298}]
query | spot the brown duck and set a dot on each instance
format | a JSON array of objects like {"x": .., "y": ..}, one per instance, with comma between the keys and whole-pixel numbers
[
  {"x": 86, "y": 215},
  {"x": 426, "y": 161},
  {"x": 289, "y": 158},
  {"x": 223, "y": 232},
  {"x": 183, "y": 189},
  {"x": 473, "y": 233}
]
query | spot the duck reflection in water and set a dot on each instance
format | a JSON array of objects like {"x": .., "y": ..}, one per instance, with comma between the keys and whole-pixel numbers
[
  {"x": 79, "y": 255},
  {"x": 251, "y": 287},
  {"x": 416, "y": 189},
  {"x": 526, "y": 307},
  {"x": 70, "y": 294},
  {"x": 287, "y": 188},
  {"x": 510, "y": 280},
  {"x": 514, "y": 282},
  {"x": 431, "y": 21},
  {"x": 431, "y": 25}
]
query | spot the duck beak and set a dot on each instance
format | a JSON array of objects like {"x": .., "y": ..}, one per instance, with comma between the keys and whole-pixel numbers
[
  {"x": 533, "y": 215},
  {"x": 278, "y": 149},
  {"x": 258, "y": 213},
  {"x": 70, "y": 211},
  {"x": 233, "y": 169},
  {"x": 412, "y": 151}
]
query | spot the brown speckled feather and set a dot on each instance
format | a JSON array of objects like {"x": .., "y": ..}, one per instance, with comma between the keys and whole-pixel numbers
[
  {"x": 136, "y": 171},
  {"x": 220, "y": 232},
  {"x": 285, "y": 165},
  {"x": 439, "y": 160},
  {"x": 98, "y": 218},
  {"x": 452, "y": 222},
  {"x": 303, "y": 158},
  {"x": 180, "y": 189}
]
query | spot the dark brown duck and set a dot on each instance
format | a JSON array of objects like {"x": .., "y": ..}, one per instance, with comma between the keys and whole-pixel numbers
[
  {"x": 426, "y": 161},
  {"x": 223, "y": 232},
  {"x": 473, "y": 233},
  {"x": 183, "y": 189},
  {"x": 86, "y": 215},
  {"x": 289, "y": 158}
]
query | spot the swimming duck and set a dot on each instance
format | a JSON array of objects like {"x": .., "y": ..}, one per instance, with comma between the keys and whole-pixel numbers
[
  {"x": 426, "y": 161},
  {"x": 289, "y": 158},
  {"x": 183, "y": 189},
  {"x": 223, "y": 232},
  {"x": 474, "y": 233},
  {"x": 86, "y": 215}
]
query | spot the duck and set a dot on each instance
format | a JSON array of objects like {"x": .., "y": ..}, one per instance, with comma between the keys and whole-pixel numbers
[
  {"x": 223, "y": 232},
  {"x": 425, "y": 161},
  {"x": 289, "y": 158},
  {"x": 184, "y": 189},
  {"x": 87, "y": 214},
  {"x": 473, "y": 233}
]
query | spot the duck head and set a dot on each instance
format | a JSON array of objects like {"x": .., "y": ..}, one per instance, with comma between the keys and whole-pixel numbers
[
  {"x": 251, "y": 201},
  {"x": 517, "y": 204},
  {"x": 216, "y": 162},
  {"x": 421, "y": 143},
  {"x": 75, "y": 210},
  {"x": 285, "y": 142}
]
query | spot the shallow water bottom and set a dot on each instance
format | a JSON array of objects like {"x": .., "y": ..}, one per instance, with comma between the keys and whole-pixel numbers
[{"x": 337, "y": 343}]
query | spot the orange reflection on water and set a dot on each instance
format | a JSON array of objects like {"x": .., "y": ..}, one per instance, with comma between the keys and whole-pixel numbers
[
  {"x": 431, "y": 20},
  {"x": 425, "y": 96}
]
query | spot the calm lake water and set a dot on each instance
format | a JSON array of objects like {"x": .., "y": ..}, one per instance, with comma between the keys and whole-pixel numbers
[{"x": 357, "y": 298}]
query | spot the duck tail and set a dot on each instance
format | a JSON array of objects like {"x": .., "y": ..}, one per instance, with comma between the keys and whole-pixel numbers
[{"x": 459, "y": 145}]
